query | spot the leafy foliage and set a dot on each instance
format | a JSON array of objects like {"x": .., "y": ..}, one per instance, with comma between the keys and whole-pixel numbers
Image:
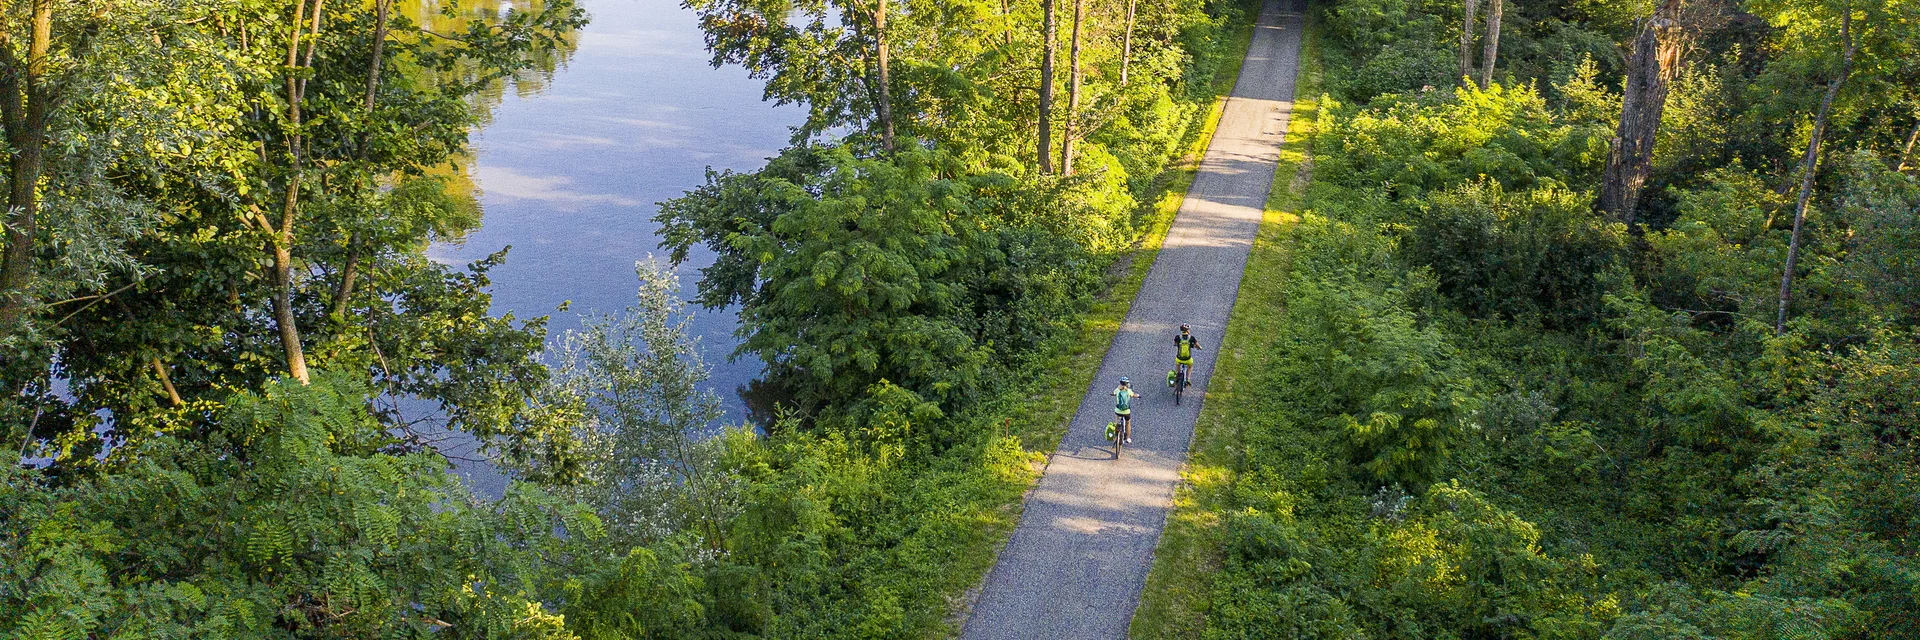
[
  {"x": 287, "y": 519},
  {"x": 1539, "y": 256},
  {"x": 1616, "y": 445},
  {"x": 200, "y": 141},
  {"x": 653, "y": 467},
  {"x": 869, "y": 270},
  {"x": 183, "y": 485}
]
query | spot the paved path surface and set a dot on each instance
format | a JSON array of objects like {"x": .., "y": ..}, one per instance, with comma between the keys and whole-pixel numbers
[{"x": 1075, "y": 566}]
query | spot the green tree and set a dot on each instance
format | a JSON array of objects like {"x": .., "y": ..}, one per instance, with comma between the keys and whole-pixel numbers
[
  {"x": 1882, "y": 210},
  {"x": 365, "y": 175},
  {"x": 654, "y": 465},
  {"x": 858, "y": 283},
  {"x": 285, "y": 519},
  {"x": 78, "y": 105},
  {"x": 833, "y": 56}
]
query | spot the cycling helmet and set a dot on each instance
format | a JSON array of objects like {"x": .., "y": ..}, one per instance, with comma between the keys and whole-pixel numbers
[
  {"x": 1183, "y": 327},
  {"x": 1123, "y": 380}
]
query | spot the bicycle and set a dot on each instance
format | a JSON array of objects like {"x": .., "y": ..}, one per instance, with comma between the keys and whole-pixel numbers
[
  {"x": 1181, "y": 376},
  {"x": 1118, "y": 432},
  {"x": 1122, "y": 427},
  {"x": 1180, "y": 382}
]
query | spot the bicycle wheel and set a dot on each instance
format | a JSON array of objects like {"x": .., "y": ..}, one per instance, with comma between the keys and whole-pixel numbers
[
  {"x": 1120, "y": 437},
  {"x": 1179, "y": 385}
]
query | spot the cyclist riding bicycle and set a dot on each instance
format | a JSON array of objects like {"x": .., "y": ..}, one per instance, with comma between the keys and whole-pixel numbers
[
  {"x": 1184, "y": 345},
  {"x": 1123, "y": 410}
]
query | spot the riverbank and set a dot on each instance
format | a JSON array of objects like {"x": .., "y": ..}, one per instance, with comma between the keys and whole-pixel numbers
[{"x": 568, "y": 171}]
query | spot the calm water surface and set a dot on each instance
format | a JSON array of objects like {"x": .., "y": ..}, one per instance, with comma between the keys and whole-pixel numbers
[{"x": 569, "y": 175}]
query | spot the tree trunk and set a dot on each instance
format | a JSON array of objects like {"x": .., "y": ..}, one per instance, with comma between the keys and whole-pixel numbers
[
  {"x": 1651, "y": 66},
  {"x": 1006, "y": 24},
  {"x": 344, "y": 293},
  {"x": 380, "y": 9},
  {"x": 282, "y": 244},
  {"x": 1906, "y": 156},
  {"x": 283, "y": 303},
  {"x": 1466, "y": 41},
  {"x": 1073, "y": 93},
  {"x": 27, "y": 98},
  {"x": 886, "y": 89},
  {"x": 1808, "y": 165},
  {"x": 694, "y": 474},
  {"x": 154, "y": 362},
  {"x": 1046, "y": 87},
  {"x": 160, "y": 371},
  {"x": 1492, "y": 45},
  {"x": 1126, "y": 44},
  {"x": 348, "y": 273}
]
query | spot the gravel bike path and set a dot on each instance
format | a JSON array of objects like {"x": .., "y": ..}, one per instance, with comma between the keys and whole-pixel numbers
[{"x": 1076, "y": 564}]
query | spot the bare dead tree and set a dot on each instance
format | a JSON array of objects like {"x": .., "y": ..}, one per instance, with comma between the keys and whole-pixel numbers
[
  {"x": 1126, "y": 43},
  {"x": 1046, "y": 87},
  {"x": 1466, "y": 40},
  {"x": 1073, "y": 92},
  {"x": 1810, "y": 163},
  {"x": 1651, "y": 67},
  {"x": 886, "y": 82},
  {"x": 1492, "y": 50}
]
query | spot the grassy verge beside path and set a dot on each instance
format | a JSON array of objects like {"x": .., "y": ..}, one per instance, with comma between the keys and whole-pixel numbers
[
  {"x": 1173, "y": 604},
  {"x": 1042, "y": 420},
  {"x": 1039, "y": 419}
]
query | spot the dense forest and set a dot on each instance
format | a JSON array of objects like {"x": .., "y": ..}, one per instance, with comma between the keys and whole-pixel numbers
[
  {"x": 1585, "y": 320},
  {"x": 1596, "y": 319},
  {"x": 230, "y": 368}
]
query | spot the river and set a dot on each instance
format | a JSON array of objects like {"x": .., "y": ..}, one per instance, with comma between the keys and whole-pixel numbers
[{"x": 569, "y": 173}]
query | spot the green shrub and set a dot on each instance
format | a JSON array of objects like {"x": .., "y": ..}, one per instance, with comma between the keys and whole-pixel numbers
[
  {"x": 1540, "y": 256},
  {"x": 1358, "y": 356},
  {"x": 850, "y": 270},
  {"x": 648, "y": 594},
  {"x": 286, "y": 520},
  {"x": 1487, "y": 412},
  {"x": 1720, "y": 252},
  {"x": 1402, "y": 68},
  {"x": 1412, "y": 145},
  {"x": 1881, "y": 208}
]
